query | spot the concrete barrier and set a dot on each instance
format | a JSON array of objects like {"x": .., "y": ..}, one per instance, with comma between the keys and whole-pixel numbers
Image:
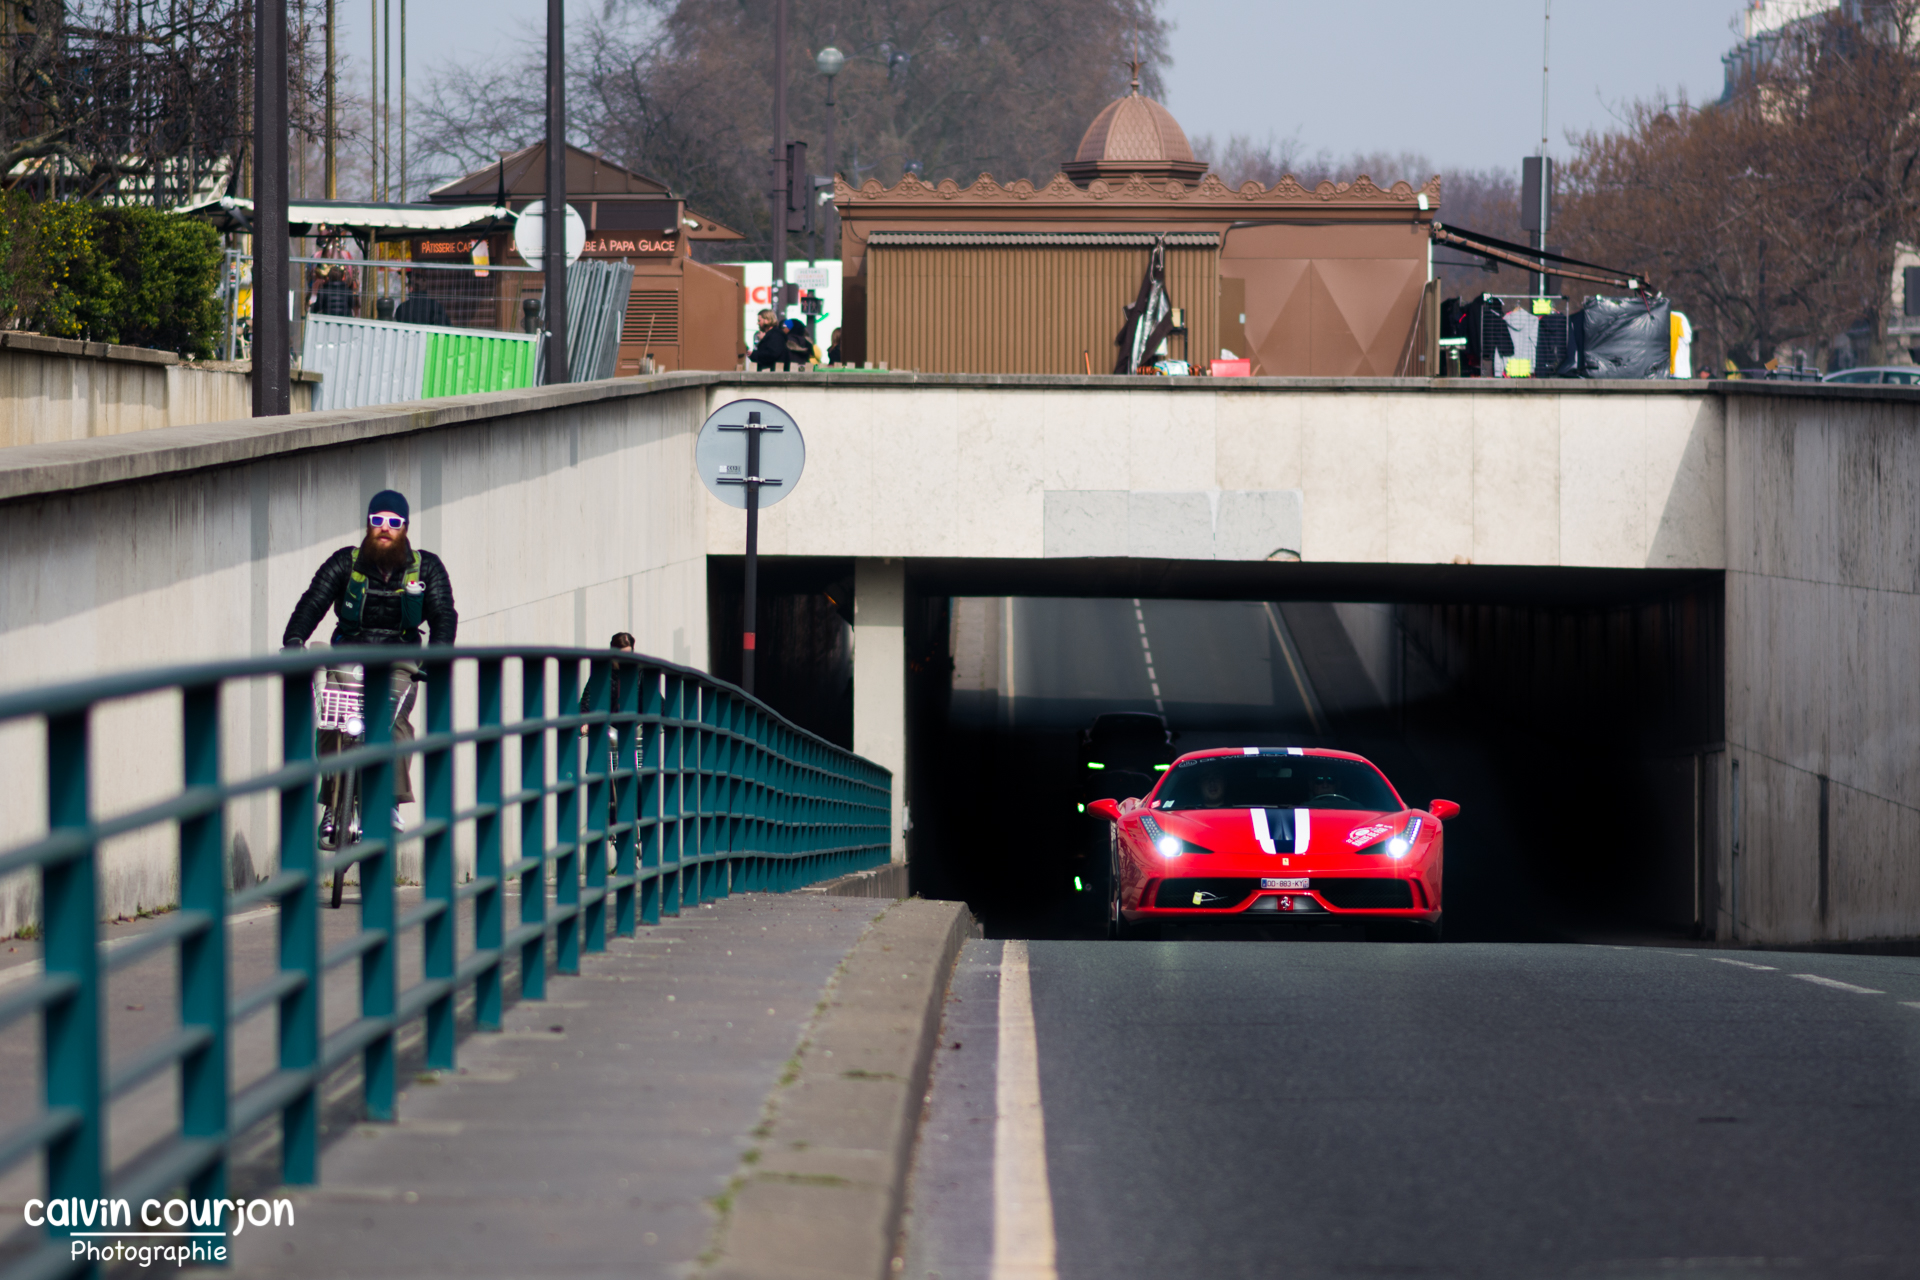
[{"x": 55, "y": 389}]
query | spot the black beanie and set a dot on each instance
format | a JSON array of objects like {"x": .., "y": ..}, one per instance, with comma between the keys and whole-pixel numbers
[{"x": 388, "y": 500}]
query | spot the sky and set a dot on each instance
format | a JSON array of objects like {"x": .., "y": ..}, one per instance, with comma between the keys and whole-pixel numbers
[{"x": 1459, "y": 84}]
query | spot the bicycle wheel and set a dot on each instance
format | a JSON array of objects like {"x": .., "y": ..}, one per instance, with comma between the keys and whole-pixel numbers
[{"x": 346, "y": 820}]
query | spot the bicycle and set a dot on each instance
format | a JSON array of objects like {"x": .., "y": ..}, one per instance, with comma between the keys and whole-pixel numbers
[{"x": 340, "y": 709}]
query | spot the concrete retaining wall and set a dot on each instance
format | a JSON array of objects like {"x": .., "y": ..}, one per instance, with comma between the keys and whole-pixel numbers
[
  {"x": 54, "y": 389},
  {"x": 1823, "y": 668},
  {"x": 1376, "y": 471}
]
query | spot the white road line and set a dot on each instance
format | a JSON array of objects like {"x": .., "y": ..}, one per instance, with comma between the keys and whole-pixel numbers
[
  {"x": 1153, "y": 678},
  {"x": 1836, "y": 984},
  {"x": 1293, "y": 668},
  {"x": 1744, "y": 964},
  {"x": 1911, "y": 1004},
  {"x": 1023, "y": 1245}
]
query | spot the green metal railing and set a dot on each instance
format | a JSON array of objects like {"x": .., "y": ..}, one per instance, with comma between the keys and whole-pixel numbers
[{"x": 726, "y": 796}]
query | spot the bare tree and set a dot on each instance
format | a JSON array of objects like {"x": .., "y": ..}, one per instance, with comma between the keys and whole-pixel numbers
[
  {"x": 945, "y": 88},
  {"x": 1773, "y": 218}
]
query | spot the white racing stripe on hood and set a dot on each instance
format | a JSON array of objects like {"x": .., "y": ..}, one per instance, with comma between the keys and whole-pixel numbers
[
  {"x": 1262, "y": 832},
  {"x": 1302, "y": 833}
]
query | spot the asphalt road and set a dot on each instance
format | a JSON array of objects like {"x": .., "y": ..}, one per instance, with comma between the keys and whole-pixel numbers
[
  {"x": 1202, "y": 663},
  {"x": 1225, "y": 1109}
]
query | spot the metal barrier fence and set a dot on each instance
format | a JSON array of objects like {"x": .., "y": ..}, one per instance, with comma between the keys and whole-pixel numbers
[{"x": 724, "y": 795}]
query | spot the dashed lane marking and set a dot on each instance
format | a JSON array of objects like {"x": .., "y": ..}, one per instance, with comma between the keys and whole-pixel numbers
[
  {"x": 1744, "y": 964},
  {"x": 1023, "y": 1241},
  {"x": 1836, "y": 984},
  {"x": 1153, "y": 677}
]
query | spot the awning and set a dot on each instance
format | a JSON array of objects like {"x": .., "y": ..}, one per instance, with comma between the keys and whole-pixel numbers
[
  {"x": 235, "y": 213},
  {"x": 1043, "y": 239}
]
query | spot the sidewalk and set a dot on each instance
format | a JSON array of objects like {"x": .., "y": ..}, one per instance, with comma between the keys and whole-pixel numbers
[{"x": 587, "y": 1138}]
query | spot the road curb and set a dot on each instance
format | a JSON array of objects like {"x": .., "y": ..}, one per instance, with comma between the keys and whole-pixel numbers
[
  {"x": 889, "y": 881},
  {"x": 821, "y": 1195}
]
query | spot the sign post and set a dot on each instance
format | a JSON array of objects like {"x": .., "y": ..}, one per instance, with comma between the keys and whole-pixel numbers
[{"x": 774, "y": 456}]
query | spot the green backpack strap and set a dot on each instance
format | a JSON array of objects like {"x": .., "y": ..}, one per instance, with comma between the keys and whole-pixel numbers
[{"x": 413, "y": 603}]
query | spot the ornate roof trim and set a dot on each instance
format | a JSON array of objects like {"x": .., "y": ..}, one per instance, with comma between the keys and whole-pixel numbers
[
  {"x": 1046, "y": 239},
  {"x": 1288, "y": 193}
]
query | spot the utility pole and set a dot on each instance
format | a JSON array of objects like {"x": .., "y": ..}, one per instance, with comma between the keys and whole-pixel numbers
[
  {"x": 1543, "y": 212},
  {"x": 777, "y": 196},
  {"x": 556, "y": 219},
  {"x": 373, "y": 111},
  {"x": 272, "y": 367},
  {"x": 386, "y": 105},
  {"x": 332, "y": 175},
  {"x": 403, "y": 99}
]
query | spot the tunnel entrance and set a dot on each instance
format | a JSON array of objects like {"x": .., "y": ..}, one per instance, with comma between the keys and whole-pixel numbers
[{"x": 1574, "y": 714}]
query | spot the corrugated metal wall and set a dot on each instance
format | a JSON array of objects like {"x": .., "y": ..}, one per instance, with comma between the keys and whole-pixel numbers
[
  {"x": 1024, "y": 309},
  {"x": 363, "y": 362}
]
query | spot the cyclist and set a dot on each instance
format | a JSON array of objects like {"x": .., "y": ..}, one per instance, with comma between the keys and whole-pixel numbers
[{"x": 382, "y": 592}]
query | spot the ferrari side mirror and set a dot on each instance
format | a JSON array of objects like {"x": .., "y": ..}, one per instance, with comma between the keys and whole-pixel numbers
[
  {"x": 1107, "y": 809},
  {"x": 1443, "y": 809}
]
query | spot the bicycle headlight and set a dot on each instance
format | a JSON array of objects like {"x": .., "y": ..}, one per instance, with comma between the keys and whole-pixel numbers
[
  {"x": 355, "y": 726},
  {"x": 1167, "y": 844}
]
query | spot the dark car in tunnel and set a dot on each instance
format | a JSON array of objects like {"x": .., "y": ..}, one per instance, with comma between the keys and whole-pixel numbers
[
  {"x": 1307, "y": 835},
  {"x": 1121, "y": 755}
]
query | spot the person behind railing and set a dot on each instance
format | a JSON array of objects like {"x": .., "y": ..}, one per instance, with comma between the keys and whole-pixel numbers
[
  {"x": 382, "y": 592},
  {"x": 418, "y": 307},
  {"x": 770, "y": 345},
  {"x": 622, "y": 642},
  {"x": 834, "y": 354},
  {"x": 332, "y": 293}
]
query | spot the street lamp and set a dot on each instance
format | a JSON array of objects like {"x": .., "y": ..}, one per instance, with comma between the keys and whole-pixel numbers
[{"x": 828, "y": 63}]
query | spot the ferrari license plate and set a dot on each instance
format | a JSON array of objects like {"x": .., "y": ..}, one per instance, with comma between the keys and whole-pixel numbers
[{"x": 1283, "y": 882}]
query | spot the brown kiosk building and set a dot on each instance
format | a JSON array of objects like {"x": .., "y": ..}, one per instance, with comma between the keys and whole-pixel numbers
[
  {"x": 685, "y": 314},
  {"x": 986, "y": 278}
]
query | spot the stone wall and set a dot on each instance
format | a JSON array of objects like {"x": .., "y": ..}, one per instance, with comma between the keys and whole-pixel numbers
[
  {"x": 1823, "y": 666},
  {"x": 54, "y": 389}
]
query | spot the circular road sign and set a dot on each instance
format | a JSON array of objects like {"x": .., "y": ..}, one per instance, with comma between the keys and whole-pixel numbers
[
  {"x": 530, "y": 233},
  {"x": 720, "y": 454}
]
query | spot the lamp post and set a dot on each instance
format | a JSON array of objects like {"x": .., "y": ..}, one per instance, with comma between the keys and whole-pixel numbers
[{"x": 828, "y": 63}]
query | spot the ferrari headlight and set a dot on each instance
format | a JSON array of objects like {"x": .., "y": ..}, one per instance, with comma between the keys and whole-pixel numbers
[
  {"x": 1400, "y": 844},
  {"x": 1168, "y": 845}
]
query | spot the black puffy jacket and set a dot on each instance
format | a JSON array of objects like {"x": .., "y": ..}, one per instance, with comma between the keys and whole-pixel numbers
[{"x": 380, "y": 618}]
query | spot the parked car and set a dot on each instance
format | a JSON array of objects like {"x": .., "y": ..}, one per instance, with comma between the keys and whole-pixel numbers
[{"x": 1906, "y": 375}]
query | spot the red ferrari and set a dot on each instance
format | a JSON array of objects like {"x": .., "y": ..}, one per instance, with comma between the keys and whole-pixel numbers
[{"x": 1275, "y": 833}]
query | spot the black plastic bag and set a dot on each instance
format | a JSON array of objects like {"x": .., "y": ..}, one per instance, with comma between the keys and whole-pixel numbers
[{"x": 1621, "y": 338}]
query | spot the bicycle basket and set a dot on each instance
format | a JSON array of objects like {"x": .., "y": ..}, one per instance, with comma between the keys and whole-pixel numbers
[{"x": 340, "y": 705}]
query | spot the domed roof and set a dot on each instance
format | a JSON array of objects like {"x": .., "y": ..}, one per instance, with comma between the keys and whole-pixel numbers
[{"x": 1134, "y": 135}]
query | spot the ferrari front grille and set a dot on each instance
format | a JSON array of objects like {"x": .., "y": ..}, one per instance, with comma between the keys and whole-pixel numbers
[
  {"x": 1217, "y": 892},
  {"x": 1364, "y": 894}
]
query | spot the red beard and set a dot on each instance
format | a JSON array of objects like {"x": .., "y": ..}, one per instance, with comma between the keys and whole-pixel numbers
[{"x": 395, "y": 555}]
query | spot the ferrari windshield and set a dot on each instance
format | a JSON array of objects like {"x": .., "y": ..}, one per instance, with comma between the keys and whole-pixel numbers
[{"x": 1275, "y": 782}]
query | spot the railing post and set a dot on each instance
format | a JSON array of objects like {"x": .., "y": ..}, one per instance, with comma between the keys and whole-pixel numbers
[
  {"x": 652, "y": 791},
  {"x": 203, "y": 955},
  {"x": 436, "y": 865},
  {"x": 594, "y": 846},
  {"x": 489, "y": 929},
  {"x": 568, "y": 836},
  {"x": 71, "y": 1040},
  {"x": 671, "y": 794},
  {"x": 299, "y": 1012},
  {"x": 626, "y": 791},
  {"x": 533, "y": 827},
  {"x": 379, "y": 982}
]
